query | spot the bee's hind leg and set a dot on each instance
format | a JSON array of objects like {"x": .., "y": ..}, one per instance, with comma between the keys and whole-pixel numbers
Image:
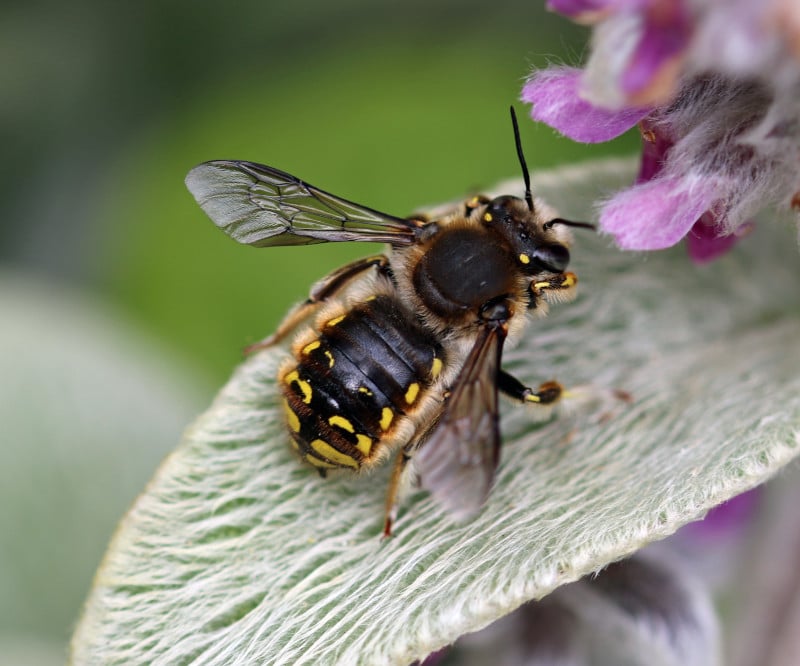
[
  {"x": 393, "y": 492},
  {"x": 320, "y": 292}
]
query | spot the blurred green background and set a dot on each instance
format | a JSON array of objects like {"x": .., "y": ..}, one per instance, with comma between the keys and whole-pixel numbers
[{"x": 104, "y": 109}]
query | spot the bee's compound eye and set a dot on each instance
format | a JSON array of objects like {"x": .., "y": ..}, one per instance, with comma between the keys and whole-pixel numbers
[{"x": 553, "y": 257}]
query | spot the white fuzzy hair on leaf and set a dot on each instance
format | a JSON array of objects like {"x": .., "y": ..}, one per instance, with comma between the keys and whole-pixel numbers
[{"x": 237, "y": 554}]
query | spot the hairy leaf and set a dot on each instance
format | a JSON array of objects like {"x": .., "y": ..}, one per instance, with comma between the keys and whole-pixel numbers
[{"x": 237, "y": 554}]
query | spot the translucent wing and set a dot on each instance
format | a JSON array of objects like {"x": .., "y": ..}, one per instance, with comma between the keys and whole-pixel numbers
[
  {"x": 261, "y": 206},
  {"x": 456, "y": 463}
]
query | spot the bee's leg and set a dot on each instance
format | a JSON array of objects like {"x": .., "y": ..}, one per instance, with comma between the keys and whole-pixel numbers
[
  {"x": 420, "y": 219},
  {"x": 560, "y": 285},
  {"x": 465, "y": 208},
  {"x": 320, "y": 292},
  {"x": 393, "y": 492},
  {"x": 475, "y": 202},
  {"x": 547, "y": 394}
]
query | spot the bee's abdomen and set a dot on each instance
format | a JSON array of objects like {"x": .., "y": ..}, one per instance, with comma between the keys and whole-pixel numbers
[{"x": 350, "y": 385}]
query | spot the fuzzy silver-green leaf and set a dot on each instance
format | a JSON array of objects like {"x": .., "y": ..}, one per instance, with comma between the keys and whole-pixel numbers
[{"x": 237, "y": 554}]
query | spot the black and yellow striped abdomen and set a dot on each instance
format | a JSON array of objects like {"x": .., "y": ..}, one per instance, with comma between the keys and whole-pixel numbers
[{"x": 349, "y": 385}]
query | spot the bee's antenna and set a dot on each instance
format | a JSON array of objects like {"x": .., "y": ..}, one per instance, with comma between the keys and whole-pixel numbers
[
  {"x": 525, "y": 173},
  {"x": 569, "y": 223}
]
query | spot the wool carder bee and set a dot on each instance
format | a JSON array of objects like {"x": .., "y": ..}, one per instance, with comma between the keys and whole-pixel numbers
[{"x": 401, "y": 352}]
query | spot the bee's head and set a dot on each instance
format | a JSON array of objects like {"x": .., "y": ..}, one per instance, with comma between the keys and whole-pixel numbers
[{"x": 535, "y": 245}]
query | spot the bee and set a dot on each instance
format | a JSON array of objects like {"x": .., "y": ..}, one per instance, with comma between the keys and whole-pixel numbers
[{"x": 401, "y": 352}]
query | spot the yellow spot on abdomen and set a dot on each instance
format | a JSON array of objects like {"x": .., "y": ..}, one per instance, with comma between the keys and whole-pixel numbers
[
  {"x": 313, "y": 460},
  {"x": 412, "y": 393},
  {"x": 335, "y": 320},
  {"x": 330, "y": 358},
  {"x": 342, "y": 422},
  {"x": 387, "y": 416},
  {"x": 305, "y": 388},
  {"x": 524, "y": 258},
  {"x": 291, "y": 418},
  {"x": 364, "y": 390},
  {"x": 363, "y": 444},
  {"x": 487, "y": 217},
  {"x": 311, "y": 346},
  {"x": 436, "y": 367},
  {"x": 327, "y": 451}
]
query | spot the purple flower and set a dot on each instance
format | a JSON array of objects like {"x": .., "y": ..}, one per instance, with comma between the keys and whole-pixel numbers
[
  {"x": 733, "y": 516},
  {"x": 715, "y": 90},
  {"x": 706, "y": 241},
  {"x": 656, "y": 214},
  {"x": 557, "y": 101},
  {"x": 582, "y": 11},
  {"x": 649, "y": 75}
]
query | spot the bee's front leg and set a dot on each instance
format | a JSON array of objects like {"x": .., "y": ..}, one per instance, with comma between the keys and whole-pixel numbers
[{"x": 559, "y": 287}]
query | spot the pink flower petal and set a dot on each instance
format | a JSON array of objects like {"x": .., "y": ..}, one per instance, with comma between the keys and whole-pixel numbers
[
  {"x": 667, "y": 31},
  {"x": 732, "y": 516},
  {"x": 589, "y": 11},
  {"x": 582, "y": 10},
  {"x": 656, "y": 214},
  {"x": 706, "y": 241},
  {"x": 556, "y": 101}
]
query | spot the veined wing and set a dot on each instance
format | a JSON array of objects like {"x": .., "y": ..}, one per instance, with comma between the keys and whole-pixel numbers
[
  {"x": 456, "y": 463},
  {"x": 262, "y": 206}
]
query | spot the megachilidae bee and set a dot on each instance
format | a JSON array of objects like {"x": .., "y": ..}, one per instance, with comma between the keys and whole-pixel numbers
[{"x": 401, "y": 351}]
